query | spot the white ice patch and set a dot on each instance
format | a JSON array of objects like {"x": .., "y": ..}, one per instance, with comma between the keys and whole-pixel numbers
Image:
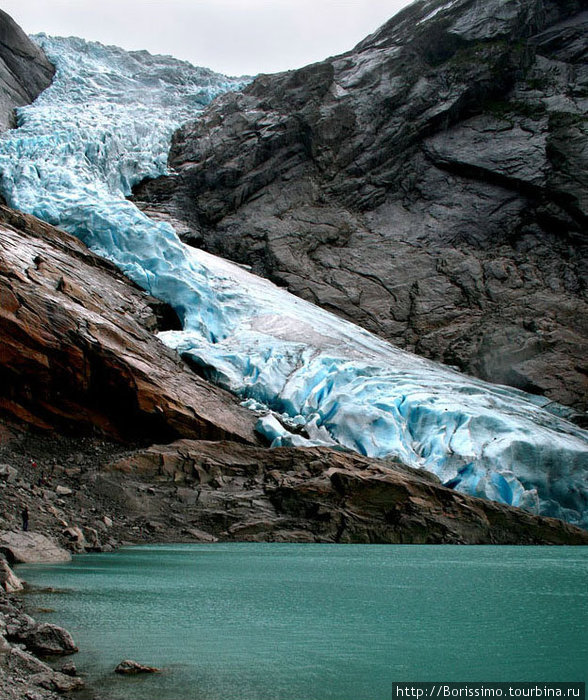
[
  {"x": 437, "y": 10},
  {"x": 105, "y": 124}
]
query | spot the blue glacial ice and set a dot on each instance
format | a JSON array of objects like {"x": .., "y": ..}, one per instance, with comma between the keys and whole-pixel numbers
[{"x": 104, "y": 125}]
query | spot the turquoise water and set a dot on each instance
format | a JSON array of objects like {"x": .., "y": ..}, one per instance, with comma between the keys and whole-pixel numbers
[{"x": 319, "y": 622}]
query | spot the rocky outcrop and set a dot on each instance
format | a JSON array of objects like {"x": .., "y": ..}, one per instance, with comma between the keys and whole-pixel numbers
[
  {"x": 429, "y": 185},
  {"x": 31, "y": 547},
  {"x": 24, "y": 70},
  {"x": 23, "y": 676},
  {"x": 78, "y": 353},
  {"x": 240, "y": 492},
  {"x": 9, "y": 582}
]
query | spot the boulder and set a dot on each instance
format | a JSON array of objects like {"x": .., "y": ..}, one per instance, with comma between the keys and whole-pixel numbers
[
  {"x": 8, "y": 474},
  {"x": 8, "y": 581},
  {"x": 69, "y": 669},
  {"x": 21, "y": 662},
  {"x": 53, "y": 680},
  {"x": 131, "y": 668},
  {"x": 49, "y": 640},
  {"x": 30, "y": 548},
  {"x": 63, "y": 491},
  {"x": 75, "y": 535}
]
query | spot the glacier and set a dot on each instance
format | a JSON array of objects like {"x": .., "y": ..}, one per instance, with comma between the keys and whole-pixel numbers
[{"x": 104, "y": 125}]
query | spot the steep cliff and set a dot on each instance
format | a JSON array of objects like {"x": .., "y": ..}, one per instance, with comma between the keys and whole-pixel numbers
[
  {"x": 78, "y": 351},
  {"x": 24, "y": 70},
  {"x": 429, "y": 185}
]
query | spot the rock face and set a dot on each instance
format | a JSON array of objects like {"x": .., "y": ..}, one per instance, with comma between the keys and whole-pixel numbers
[
  {"x": 31, "y": 547},
  {"x": 24, "y": 70},
  {"x": 429, "y": 185},
  {"x": 77, "y": 350},
  {"x": 240, "y": 492},
  {"x": 8, "y": 581}
]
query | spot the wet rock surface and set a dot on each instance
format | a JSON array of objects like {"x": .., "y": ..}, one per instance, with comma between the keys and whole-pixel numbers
[
  {"x": 78, "y": 351},
  {"x": 133, "y": 668},
  {"x": 24, "y": 676},
  {"x": 24, "y": 70},
  {"x": 429, "y": 185}
]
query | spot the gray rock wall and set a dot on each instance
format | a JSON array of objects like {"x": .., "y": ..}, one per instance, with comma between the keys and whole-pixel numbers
[
  {"x": 430, "y": 185},
  {"x": 24, "y": 70}
]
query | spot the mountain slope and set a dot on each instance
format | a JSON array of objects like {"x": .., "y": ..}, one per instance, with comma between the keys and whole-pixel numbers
[
  {"x": 24, "y": 70},
  {"x": 105, "y": 123},
  {"x": 429, "y": 185}
]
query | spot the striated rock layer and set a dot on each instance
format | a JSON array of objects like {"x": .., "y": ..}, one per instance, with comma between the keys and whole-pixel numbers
[
  {"x": 429, "y": 185},
  {"x": 24, "y": 70},
  {"x": 202, "y": 491},
  {"x": 240, "y": 492},
  {"x": 77, "y": 350}
]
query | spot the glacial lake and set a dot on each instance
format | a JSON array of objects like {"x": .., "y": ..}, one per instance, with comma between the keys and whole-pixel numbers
[{"x": 318, "y": 622}]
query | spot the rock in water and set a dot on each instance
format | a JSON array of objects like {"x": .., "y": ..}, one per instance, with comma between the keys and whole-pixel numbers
[
  {"x": 69, "y": 669},
  {"x": 131, "y": 668},
  {"x": 8, "y": 581}
]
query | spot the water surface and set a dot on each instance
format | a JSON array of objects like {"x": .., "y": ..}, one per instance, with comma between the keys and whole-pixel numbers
[{"x": 319, "y": 622}]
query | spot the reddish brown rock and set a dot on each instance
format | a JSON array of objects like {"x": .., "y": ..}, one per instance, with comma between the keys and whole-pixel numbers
[
  {"x": 77, "y": 352},
  {"x": 323, "y": 495}
]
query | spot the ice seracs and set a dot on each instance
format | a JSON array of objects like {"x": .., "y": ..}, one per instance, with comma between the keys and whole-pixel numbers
[{"x": 104, "y": 125}]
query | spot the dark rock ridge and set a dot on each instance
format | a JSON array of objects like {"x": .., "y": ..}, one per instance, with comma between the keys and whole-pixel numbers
[
  {"x": 24, "y": 70},
  {"x": 204, "y": 491},
  {"x": 78, "y": 353},
  {"x": 430, "y": 185},
  {"x": 242, "y": 492}
]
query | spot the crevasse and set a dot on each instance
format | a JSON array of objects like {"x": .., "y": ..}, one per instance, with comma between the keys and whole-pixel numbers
[{"x": 104, "y": 125}]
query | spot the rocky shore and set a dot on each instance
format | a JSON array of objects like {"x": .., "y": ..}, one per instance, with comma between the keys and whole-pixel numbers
[{"x": 91, "y": 494}]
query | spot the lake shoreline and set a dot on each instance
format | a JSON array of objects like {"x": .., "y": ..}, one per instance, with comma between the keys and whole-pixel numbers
[
  {"x": 73, "y": 496},
  {"x": 209, "y": 614}
]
